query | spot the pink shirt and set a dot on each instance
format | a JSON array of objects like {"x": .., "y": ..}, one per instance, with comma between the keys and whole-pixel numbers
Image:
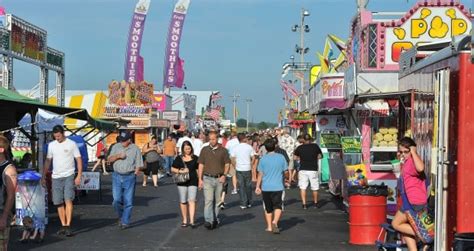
[{"x": 415, "y": 187}]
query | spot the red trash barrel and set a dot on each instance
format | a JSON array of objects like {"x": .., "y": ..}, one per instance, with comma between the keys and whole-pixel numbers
[{"x": 367, "y": 210}]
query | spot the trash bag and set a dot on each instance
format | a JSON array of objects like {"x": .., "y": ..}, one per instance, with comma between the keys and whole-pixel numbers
[{"x": 373, "y": 190}]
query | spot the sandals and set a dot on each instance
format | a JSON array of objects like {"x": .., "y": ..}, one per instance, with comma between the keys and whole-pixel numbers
[{"x": 184, "y": 224}]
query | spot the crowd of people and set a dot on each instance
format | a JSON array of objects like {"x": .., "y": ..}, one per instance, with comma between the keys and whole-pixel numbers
[{"x": 263, "y": 164}]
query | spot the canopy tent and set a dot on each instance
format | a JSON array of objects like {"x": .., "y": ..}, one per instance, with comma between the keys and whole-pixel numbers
[{"x": 14, "y": 106}]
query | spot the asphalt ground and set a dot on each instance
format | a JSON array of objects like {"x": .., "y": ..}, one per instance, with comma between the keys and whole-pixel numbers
[{"x": 156, "y": 225}]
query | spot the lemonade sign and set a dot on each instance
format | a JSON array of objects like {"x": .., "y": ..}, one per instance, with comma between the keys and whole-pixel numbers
[{"x": 351, "y": 145}]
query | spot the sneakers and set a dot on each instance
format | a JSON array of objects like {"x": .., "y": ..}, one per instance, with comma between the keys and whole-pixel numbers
[
  {"x": 234, "y": 191},
  {"x": 61, "y": 231},
  {"x": 222, "y": 205},
  {"x": 317, "y": 205},
  {"x": 123, "y": 226},
  {"x": 243, "y": 207},
  {"x": 305, "y": 206},
  {"x": 249, "y": 205},
  {"x": 68, "y": 232}
]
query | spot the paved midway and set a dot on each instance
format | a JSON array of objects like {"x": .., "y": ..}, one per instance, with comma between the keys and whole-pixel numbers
[{"x": 156, "y": 225}]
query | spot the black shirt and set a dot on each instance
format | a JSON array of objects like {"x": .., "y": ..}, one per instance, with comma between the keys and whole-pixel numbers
[
  {"x": 193, "y": 169},
  {"x": 308, "y": 154}
]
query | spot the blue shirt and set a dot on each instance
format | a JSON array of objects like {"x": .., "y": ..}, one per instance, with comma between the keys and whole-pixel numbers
[{"x": 272, "y": 166}]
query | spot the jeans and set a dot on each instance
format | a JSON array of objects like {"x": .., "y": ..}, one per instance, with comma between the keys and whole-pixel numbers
[
  {"x": 168, "y": 162},
  {"x": 212, "y": 195},
  {"x": 123, "y": 191},
  {"x": 245, "y": 187}
]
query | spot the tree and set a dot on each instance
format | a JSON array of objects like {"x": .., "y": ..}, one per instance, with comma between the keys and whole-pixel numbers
[
  {"x": 241, "y": 123},
  {"x": 262, "y": 125}
]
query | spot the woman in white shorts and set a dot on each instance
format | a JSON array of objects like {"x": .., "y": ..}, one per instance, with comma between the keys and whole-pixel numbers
[{"x": 187, "y": 162}]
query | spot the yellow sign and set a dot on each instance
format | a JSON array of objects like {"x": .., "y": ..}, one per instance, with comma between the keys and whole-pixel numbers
[{"x": 427, "y": 24}]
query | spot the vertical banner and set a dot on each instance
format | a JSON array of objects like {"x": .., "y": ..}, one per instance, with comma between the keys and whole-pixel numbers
[
  {"x": 173, "y": 70},
  {"x": 133, "y": 69}
]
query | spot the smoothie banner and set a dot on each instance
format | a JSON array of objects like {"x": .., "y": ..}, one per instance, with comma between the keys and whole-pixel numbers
[
  {"x": 133, "y": 60},
  {"x": 173, "y": 75}
]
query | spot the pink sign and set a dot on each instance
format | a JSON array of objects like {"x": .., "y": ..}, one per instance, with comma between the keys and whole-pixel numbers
[
  {"x": 159, "y": 102},
  {"x": 333, "y": 88}
]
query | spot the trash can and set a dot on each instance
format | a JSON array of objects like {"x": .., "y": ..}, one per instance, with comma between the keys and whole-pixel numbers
[
  {"x": 31, "y": 200},
  {"x": 367, "y": 210}
]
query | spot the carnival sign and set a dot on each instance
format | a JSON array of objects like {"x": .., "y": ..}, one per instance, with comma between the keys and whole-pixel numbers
[
  {"x": 330, "y": 140},
  {"x": 27, "y": 40},
  {"x": 173, "y": 116},
  {"x": 173, "y": 70},
  {"x": 425, "y": 24},
  {"x": 89, "y": 181},
  {"x": 351, "y": 145},
  {"x": 372, "y": 108},
  {"x": 332, "y": 88},
  {"x": 134, "y": 61},
  {"x": 160, "y": 102},
  {"x": 125, "y": 94}
]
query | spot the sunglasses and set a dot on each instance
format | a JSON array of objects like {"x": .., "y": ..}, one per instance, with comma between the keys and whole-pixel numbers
[{"x": 405, "y": 152}]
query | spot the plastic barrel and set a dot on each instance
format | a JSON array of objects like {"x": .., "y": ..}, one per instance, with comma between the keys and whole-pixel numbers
[{"x": 367, "y": 210}]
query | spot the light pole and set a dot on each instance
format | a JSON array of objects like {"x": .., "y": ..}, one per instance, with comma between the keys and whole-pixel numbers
[
  {"x": 301, "y": 49},
  {"x": 248, "y": 100},
  {"x": 235, "y": 97}
]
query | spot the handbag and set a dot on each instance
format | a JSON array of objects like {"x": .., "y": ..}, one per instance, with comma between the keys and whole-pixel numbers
[
  {"x": 421, "y": 221},
  {"x": 152, "y": 156},
  {"x": 181, "y": 177}
]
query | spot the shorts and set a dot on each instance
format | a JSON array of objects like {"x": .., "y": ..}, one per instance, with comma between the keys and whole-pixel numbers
[
  {"x": 272, "y": 201},
  {"x": 63, "y": 189},
  {"x": 306, "y": 178},
  {"x": 152, "y": 168},
  {"x": 187, "y": 194},
  {"x": 232, "y": 171}
]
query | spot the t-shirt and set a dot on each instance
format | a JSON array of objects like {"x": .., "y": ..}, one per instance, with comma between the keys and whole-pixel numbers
[
  {"x": 133, "y": 158},
  {"x": 3, "y": 188},
  {"x": 273, "y": 166},
  {"x": 180, "y": 142},
  {"x": 415, "y": 187},
  {"x": 63, "y": 155},
  {"x": 243, "y": 153},
  {"x": 231, "y": 144},
  {"x": 308, "y": 154},
  {"x": 283, "y": 152},
  {"x": 197, "y": 146},
  {"x": 192, "y": 166},
  {"x": 100, "y": 149},
  {"x": 169, "y": 147},
  {"x": 214, "y": 159}
]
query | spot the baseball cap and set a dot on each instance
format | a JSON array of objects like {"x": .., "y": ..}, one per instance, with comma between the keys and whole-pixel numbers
[{"x": 125, "y": 135}]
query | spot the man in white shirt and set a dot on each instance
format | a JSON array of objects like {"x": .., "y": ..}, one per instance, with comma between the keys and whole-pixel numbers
[
  {"x": 197, "y": 143},
  {"x": 186, "y": 137},
  {"x": 243, "y": 158},
  {"x": 234, "y": 141},
  {"x": 62, "y": 152}
]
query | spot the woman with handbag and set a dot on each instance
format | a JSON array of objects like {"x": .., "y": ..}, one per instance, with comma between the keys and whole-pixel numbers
[
  {"x": 412, "y": 189},
  {"x": 184, "y": 171},
  {"x": 151, "y": 152}
]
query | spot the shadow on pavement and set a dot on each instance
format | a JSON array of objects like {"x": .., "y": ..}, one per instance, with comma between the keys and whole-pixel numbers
[
  {"x": 153, "y": 219},
  {"x": 236, "y": 218},
  {"x": 289, "y": 223}
]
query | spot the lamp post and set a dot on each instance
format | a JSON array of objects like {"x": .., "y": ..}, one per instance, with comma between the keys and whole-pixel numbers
[
  {"x": 235, "y": 97},
  {"x": 248, "y": 100},
  {"x": 302, "y": 28}
]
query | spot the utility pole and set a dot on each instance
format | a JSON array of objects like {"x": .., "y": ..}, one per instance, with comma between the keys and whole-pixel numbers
[
  {"x": 248, "y": 100},
  {"x": 235, "y": 97}
]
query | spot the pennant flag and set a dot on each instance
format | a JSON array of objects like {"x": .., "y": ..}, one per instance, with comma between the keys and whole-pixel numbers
[
  {"x": 339, "y": 61},
  {"x": 340, "y": 44},
  {"x": 299, "y": 75},
  {"x": 324, "y": 63},
  {"x": 327, "y": 53},
  {"x": 288, "y": 89},
  {"x": 132, "y": 60},
  {"x": 173, "y": 70}
]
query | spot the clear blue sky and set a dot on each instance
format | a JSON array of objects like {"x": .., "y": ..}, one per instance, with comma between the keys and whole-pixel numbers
[{"x": 227, "y": 45}]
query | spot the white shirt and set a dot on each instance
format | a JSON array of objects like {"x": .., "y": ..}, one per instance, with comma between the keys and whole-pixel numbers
[
  {"x": 180, "y": 142},
  {"x": 231, "y": 144},
  {"x": 243, "y": 153},
  {"x": 63, "y": 155},
  {"x": 197, "y": 146}
]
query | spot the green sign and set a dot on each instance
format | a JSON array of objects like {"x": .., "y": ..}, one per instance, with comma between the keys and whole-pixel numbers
[
  {"x": 351, "y": 145},
  {"x": 330, "y": 140}
]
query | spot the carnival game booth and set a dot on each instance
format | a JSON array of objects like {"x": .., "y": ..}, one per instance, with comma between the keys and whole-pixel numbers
[
  {"x": 134, "y": 103},
  {"x": 443, "y": 126}
]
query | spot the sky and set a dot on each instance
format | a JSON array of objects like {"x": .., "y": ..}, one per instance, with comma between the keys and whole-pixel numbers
[{"x": 234, "y": 46}]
